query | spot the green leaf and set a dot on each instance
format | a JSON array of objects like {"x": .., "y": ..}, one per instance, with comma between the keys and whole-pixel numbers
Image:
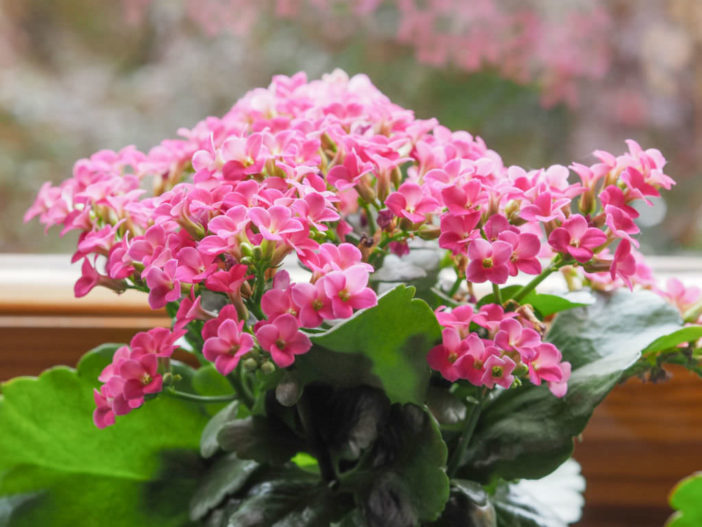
[
  {"x": 265, "y": 439},
  {"x": 672, "y": 340},
  {"x": 293, "y": 499},
  {"x": 408, "y": 481},
  {"x": 147, "y": 460},
  {"x": 208, "y": 381},
  {"x": 388, "y": 342},
  {"x": 347, "y": 420},
  {"x": 545, "y": 304},
  {"x": 226, "y": 476},
  {"x": 553, "y": 501},
  {"x": 469, "y": 506},
  {"x": 208, "y": 440},
  {"x": 686, "y": 499},
  {"x": 527, "y": 432}
]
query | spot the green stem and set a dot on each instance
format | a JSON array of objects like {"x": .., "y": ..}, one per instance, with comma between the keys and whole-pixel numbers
[
  {"x": 556, "y": 264},
  {"x": 456, "y": 285},
  {"x": 199, "y": 398},
  {"x": 241, "y": 392},
  {"x": 497, "y": 294},
  {"x": 371, "y": 221},
  {"x": 457, "y": 455}
]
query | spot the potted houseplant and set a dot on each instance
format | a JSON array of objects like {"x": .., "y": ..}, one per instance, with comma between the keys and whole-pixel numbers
[{"x": 361, "y": 295}]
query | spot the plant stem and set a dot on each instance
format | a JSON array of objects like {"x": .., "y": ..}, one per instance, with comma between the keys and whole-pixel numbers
[
  {"x": 199, "y": 398},
  {"x": 556, "y": 264},
  {"x": 456, "y": 286},
  {"x": 466, "y": 436},
  {"x": 371, "y": 221},
  {"x": 241, "y": 392},
  {"x": 496, "y": 293}
]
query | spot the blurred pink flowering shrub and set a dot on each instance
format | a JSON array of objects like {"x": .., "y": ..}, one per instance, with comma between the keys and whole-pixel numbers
[
  {"x": 553, "y": 45},
  {"x": 282, "y": 237}
]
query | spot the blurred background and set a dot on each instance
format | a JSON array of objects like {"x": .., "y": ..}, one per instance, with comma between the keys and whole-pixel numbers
[{"x": 542, "y": 81}]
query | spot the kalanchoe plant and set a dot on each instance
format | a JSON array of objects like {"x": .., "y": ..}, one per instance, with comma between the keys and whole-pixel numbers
[{"x": 359, "y": 291}]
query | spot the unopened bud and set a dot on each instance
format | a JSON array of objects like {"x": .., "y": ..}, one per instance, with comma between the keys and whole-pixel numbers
[
  {"x": 267, "y": 367},
  {"x": 250, "y": 364},
  {"x": 429, "y": 232},
  {"x": 587, "y": 202}
]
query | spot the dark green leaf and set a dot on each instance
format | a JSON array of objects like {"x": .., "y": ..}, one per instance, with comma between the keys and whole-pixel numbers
[
  {"x": 686, "y": 499},
  {"x": 672, "y": 340},
  {"x": 208, "y": 440},
  {"x": 85, "y": 475},
  {"x": 408, "y": 482},
  {"x": 347, "y": 419},
  {"x": 445, "y": 406},
  {"x": 226, "y": 476},
  {"x": 391, "y": 341},
  {"x": 295, "y": 500},
  {"x": 265, "y": 439},
  {"x": 468, "y": 506},
  {"x": 527, "y": 432}
]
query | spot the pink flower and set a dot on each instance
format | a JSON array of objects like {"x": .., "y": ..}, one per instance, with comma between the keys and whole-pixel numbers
[
  {"x": 410, "y": 202},
  {"x": 315, "y": 208},
  {"x": 443, "y": 357},
  {"x": 347, "y": 291},
  {"x": 463, "y": 199},
  {"x": 312, "y": 303},
  {"x": 624, "y": 263},
  {"x": 621, "y": 223},
  {"x": 490, "y": 316},
  {"x": 545, "y": 207},
  {"x": 163, "y": 285},
  {"x": 458, "y": 318},
  {"x": 547, "y": 366},
  {"x": 229, "y": 346},
  {"x": 525, "y": 250},
  {"x": 512, "y": 336},
  {"x": 275, "y": 222},
  {"x": 576, "y": 239},
  {"x": 488, "y": 261},
  {"x": 283, "y": 340},
  {"x": 156, "y": 341},
  {"x": 228, "y": 281},
  {"x": 140, "y": 376},
  {"x": 194, "y": 266},
  {"x": 458, "y": 231},
  {"x": 679, "y": 295},
  {"x": 498, "y": 370},
  {"x": 103, "y": 415},
  {"x": 347, "y": 175}
]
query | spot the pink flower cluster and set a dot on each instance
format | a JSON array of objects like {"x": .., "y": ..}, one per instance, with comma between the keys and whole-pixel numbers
[
  {"x": 135, "y": 372},
  {"x": 511, "y": 350},
  {"x": 333, "y": 175}
]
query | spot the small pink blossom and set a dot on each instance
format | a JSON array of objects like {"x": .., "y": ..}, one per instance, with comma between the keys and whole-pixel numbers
[
  {"x": 498, "y": 370},
  {"x": 576, "y": 239},
  {"x": 458, "y": 231},
  {"x": 411, "y": 202},
  {"x": 283, "y": 340},
  {"x": 229, "y": 346},
  {"x": 347, "y": 290},
  {"x": 140, "y": 376},
  {"x": 488, "y": 261},
  {"x": 163, "y": 285}
]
